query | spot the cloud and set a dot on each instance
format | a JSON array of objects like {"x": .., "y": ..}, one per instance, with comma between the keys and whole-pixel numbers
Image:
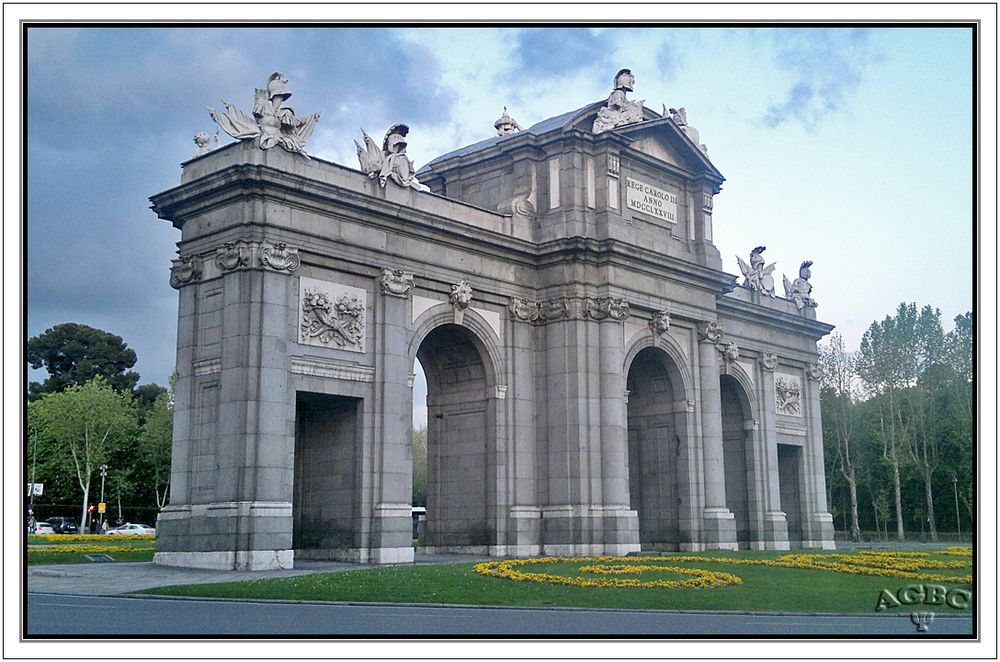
[
  {"x": 111, "y": 114},
  {"x": 553, "y": 51},
  {"x": 826, "y": 65}
]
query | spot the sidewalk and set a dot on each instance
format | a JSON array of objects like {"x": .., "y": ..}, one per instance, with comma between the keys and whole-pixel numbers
[{"x": 119, "y": 578}]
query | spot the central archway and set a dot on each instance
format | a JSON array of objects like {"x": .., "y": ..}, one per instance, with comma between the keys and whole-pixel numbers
[
  {"x": 655, "y": 433},
  {"x": 460, "y": 442}
]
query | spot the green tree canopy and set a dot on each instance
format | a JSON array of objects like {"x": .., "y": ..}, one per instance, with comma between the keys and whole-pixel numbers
[
  {"x": 80, "y": 427},
  {"x": 73, "y": 354}
]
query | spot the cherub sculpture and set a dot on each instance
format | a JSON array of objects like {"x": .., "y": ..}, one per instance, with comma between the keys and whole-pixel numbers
[
  {"x": 272, "y": 122},
  {"x": 800, "y": 289},
  {"x": 390, "y": 162},
  {"x": 757, "y": 276}
]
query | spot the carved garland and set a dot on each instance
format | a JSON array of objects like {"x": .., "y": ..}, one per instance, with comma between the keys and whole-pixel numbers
[
  {"x": 788, "y": 396},
  {"x": 340, "y": 321}
]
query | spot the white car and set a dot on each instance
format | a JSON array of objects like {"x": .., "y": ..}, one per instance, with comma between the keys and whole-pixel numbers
[
  {"x": 43, "y": 528},
  {"x": 132, "y": 529}
]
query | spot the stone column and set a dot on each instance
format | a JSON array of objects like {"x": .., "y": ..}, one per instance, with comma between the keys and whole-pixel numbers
[
  {"x": 720, "y": 523},
  {"x": 621, "y": 523},
  {"x": 392, "y": 525},
  {"x": 775, "y": 532},
  {"x": 817, "y": 522}
]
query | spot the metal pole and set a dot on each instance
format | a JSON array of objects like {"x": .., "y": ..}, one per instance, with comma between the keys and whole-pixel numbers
[
  {"x": 104, "y": 473},
  {"x": 958, "y": 522},
  {"x": 34, "y": 458}
]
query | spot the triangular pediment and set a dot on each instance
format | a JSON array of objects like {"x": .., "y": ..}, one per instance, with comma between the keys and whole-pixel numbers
[
  {"x": 656, "y": 136},
  {"x": 662, "y": 139}
]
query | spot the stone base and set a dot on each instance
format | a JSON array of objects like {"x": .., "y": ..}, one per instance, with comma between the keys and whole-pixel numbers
[
  {"x": 274, "y": 559},
  {"x": 819, "y": 534},
  {"x": 775, "y": 530},
  {"x": 379, "y": 555},
  {"x": 720, "y": 529},
  {"x": 589, "y": 530}
]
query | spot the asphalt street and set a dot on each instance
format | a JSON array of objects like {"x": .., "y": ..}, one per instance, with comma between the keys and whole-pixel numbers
[{"x": 73, "y": 615}]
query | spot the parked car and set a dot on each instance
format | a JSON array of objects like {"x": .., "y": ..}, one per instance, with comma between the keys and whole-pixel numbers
[
  {"x": 63, "y": 524},
  {"x": 133, "y": 529},
  {"x": 42, "y": 528}
]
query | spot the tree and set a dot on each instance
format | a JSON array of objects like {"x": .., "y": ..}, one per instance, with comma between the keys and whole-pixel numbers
[
  {"x": 840, "y": 408},
  {"x": 420, "y": 467},
  {"x": 73, "y": 354},
  {"x": 155, "y": 442},
  {"x": 145, "y": 398},
  {"x": 886, "y": 364},
  {"x": 81, "y": 425}
]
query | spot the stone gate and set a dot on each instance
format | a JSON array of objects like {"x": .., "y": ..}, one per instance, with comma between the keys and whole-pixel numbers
[{"x": 597, "y": 384}]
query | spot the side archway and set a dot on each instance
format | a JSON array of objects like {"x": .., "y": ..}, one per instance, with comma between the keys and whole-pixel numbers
[
  {"x": 659, "y": 488},
  {"x": 462, "y": 439}
]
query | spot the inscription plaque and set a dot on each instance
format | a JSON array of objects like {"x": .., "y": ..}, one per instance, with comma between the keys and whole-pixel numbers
[{"x": 650, "y": 200}]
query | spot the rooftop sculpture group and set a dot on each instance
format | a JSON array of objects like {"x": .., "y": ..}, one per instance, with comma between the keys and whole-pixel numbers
[
  {"x": 619, "y": 110},
  {"x": 390, "y": 162},
  {"x": 759, "y": 279},
  {"x": 272, "y": 123}
]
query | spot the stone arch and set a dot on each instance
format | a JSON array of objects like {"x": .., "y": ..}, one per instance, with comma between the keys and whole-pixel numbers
[
  {"x": 482, "y": 335},
  {"x": 669, "y": 346},
  {"x": 460, "y": 362},
  {"x": 746, "y": 392},
  {"x": 657, "y": 421}
]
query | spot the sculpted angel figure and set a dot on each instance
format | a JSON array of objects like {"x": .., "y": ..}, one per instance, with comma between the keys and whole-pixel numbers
[{"x": 756, "y": 276}]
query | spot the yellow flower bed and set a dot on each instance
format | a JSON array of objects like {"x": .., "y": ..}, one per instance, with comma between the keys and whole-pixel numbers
[
  {"x": 901, "y": 565},
  {"x": 89, "y": 537},
  {"x": 956, "y": 550},
  {"x": 86, "y": 549}
]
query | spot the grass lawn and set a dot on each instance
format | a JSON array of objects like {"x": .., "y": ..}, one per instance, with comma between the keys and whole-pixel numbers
[
  {"x": 50, "y": 549},
  {"x": 763, "y": 588}
]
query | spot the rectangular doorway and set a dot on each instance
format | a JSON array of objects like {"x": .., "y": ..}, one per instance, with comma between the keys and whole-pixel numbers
[
  {"x": 789, "y": 477},
  {"x": 327, "y": 439}
]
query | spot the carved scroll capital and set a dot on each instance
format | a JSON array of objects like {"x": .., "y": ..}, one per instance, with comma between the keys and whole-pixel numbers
[
  {"x": 233, "y": 255},
  {"x": 710, "y": 331},
  {"x": 279, "y": 256},
  {"x": 554, "y": 309},
  {"x": 525, "y": 310},
  {"x": 603, "y": 308},
  {"x": 396, "y": 283},
  {"x": 185, "y": 270}
]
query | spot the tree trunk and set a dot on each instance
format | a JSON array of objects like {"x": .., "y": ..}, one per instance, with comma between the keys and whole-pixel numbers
[
  {"x": 83, "y": 513},
  {"x": 899, "y": 498},
  {"x": 855, "y": 526},
  {"x": 878, "y": 529},
  {"x": 928, "y": 494}
]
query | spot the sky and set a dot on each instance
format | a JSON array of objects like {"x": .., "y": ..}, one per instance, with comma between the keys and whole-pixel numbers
[{"x": 848, "y": 147}]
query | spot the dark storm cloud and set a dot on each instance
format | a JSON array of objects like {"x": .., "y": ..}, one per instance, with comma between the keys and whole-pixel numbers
[
  {"x": 111, "y": 114},
  {"x": 826, "y": 65}
]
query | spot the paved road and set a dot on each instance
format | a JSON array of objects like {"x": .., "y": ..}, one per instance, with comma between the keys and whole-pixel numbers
[{"x": 60, "y": 614}]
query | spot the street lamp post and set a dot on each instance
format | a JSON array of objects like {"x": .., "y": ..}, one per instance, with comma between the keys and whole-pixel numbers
[
  {"x": 104, "y": 473},
  {"x": 958, "y": 522}
]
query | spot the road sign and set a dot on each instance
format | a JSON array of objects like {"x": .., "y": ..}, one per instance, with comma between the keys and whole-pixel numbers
[
  {"x": 101, "y": 506},
  {"x": 35, "y": 489}
]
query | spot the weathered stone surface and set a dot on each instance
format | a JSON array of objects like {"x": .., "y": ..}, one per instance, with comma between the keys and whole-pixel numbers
[{"x": 569, "y": 411}]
